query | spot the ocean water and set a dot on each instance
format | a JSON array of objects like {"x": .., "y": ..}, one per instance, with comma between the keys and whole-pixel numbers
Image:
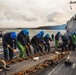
[{"x": 33, "y": 32}]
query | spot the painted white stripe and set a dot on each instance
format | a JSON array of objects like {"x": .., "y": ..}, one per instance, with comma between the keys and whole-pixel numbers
[{"x": 54, "y": 69}]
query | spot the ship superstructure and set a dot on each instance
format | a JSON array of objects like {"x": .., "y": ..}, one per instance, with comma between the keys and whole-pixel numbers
[{"x": 71, "y": 24}]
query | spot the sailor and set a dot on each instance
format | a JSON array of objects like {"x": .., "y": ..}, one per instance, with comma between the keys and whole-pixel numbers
[
  {"x": 70, "y": 41},
  {"x": 56, "y": 40},
  {"x": 24, "y": 43},
  {"x": 65, "y": 42},
  {"x": 47, "y": 43},
  {"x": 9, "y": 44},
  {"x": 42, "y": 36},
  {"x": 74, "y": 40},
  {"x": 42, "y": 39},
  {"x": 52, "y": 36},
  {"x": 36, "y": 43}
]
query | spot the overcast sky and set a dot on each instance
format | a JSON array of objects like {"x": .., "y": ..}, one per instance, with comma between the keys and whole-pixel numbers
[{"x": 34, "y": 13}]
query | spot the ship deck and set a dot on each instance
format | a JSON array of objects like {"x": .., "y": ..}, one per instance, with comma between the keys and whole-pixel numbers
[
  {"x": 16, "y": 68},
  {"x": 27, "y": 64},
  {"x": 61, "y": 69}
]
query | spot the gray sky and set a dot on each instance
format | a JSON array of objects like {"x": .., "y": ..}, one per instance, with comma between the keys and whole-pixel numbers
[{"x": 34, "y": 13}]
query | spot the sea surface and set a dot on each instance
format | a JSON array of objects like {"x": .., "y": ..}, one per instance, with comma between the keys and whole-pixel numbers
[{"x": 33, "y": 32}]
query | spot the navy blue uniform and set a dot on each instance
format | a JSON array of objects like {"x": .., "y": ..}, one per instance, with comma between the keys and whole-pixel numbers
[
  {"x": 57, "y": 37},
  {"x": 36, "y": 42},
  {"x": 25, "y": 41},
  {"x": 47, "y": 45},
  {"x": 52, "y": 36},
  {"x": 56, "y": 40},
  {"x": 65, "y": 42},
  {"x": 7, "y": 40}
]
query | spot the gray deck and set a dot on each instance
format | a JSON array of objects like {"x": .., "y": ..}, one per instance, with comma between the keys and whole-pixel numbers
[
  {"x": 61, "y": 69},
  {"x": 27, "y": 64}
]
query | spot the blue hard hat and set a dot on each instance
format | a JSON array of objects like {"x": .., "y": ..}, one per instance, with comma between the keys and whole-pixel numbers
[
  {"x": 39, "y": 35},
  {"x": 47, "y": 35},
  {"x": 13, "y": 35},
  {"x": 66, "y": 35},
  {"x": 42, "y": 32},
  {"x": 25, "y": 31},
  {"x": 58, "y": 34},
  {"x": 72, "y": 32}
]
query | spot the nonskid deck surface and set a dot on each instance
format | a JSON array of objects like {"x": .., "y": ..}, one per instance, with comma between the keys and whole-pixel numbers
[
  {"x": 27, "y": 64},
  {"x": 61, "y": 69}
]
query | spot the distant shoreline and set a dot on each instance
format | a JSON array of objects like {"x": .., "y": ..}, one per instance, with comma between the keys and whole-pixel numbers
[{"x": 58, "y": 27}]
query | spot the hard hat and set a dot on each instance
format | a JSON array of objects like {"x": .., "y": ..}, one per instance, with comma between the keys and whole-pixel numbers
[
  {"x": 58, "y": 34},
  {"x": 72, "y": 32},
  {"x": 13, "y": 35},
  {"x": 66, "y": 35},
  {"x": 47, "y": 35},
  {"x": 39, "y": 35},
  {"x": 25, "y": 31},
  {"x": 42, "y": 32}
]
